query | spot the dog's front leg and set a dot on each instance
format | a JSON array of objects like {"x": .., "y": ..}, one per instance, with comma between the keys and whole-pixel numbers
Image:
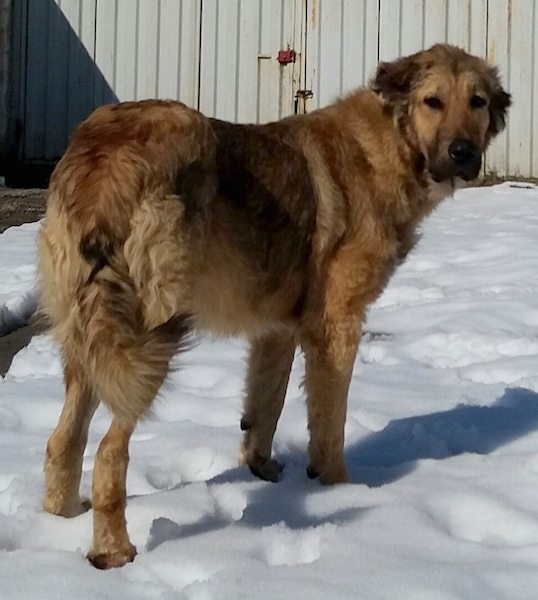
[
  {"x": 269, "y": 366},
  {"x": 330, "y": 354},
  {"x": 111, "y": 546}
]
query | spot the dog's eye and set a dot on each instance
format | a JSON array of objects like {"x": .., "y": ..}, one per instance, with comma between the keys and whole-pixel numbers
[
  {"x": 477, "y": 101},
  {"x": 434, "y": 102}
]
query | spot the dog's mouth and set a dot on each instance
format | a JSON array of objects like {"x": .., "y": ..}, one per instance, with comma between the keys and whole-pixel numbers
[
  {"x": 462, "y": 159},
  {"x": 447, "y": 170}
]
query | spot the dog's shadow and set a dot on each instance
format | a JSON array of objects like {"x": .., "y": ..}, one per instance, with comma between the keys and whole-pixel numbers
[
  {"x": 380, "y": 458},
  {"x": 393, "y": 452}
]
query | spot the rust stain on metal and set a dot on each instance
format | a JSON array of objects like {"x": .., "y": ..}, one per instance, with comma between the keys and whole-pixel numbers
[{"x": 314, "y": 13}]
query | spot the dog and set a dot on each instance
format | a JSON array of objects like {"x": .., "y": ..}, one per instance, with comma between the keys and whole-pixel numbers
[{"x": 161, "y": 221}]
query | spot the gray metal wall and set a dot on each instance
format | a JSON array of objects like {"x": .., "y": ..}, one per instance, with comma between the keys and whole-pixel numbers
[
  {"x": 5, "y": 51},
  {"x": 220, "y": 56}
]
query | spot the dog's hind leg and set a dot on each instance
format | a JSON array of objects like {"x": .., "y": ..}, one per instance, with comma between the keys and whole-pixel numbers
[
  {"x": 129, "y": 369},
  {"x": 269, "y": 366},
  {"x": 111, "y": 546},
  {"x": 65, "y": 448}
]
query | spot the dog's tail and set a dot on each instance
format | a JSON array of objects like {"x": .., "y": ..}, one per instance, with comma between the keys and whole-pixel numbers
[{"x": 112, "y": 258}]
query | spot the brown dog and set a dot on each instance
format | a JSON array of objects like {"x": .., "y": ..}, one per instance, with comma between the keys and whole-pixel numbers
[{"x": 160, "y": 220}]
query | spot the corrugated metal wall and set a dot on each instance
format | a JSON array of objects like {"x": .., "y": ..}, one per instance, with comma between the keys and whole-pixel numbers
[
  {"x": 219, "y": 55},
  {"x": 148, "y": 48},
  {"x": 346, "y": 39},
  {"x": 240, "y": 80},
  {"x": 58, "y": 73},
  {"x": 5, "y": 36},
  {"x": 513, "y": 45},
  {"x": 341, "y": 47}
]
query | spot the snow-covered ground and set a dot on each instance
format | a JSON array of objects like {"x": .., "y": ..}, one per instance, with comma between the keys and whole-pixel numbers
[{"x": 442, "y": 443}]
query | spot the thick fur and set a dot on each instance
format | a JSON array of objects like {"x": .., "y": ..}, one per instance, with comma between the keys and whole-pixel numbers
[{"x": 160, "y": 220}]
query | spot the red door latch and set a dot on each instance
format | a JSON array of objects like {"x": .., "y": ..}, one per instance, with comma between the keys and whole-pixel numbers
[{"x": 285, "y": 57}]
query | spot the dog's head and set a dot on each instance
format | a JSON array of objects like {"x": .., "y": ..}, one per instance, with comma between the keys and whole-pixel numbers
[{"x": 451, "y": 103}]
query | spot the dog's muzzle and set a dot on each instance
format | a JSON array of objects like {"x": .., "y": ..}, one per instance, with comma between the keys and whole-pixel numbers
[{"x": 466, "y": 158}]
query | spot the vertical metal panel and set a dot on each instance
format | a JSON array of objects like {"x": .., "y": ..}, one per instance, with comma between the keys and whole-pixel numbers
[
  {"x": 17, "y": 80},
  {"x": 148, "y": 49},
  {"x": 56, "y": 86},
  {"x": 146, "y": 55},
  {"x": 513, "y": 27},
  {"x": 59, "y": 74},
  {"x": 5, "y": 38},
  {"x": 219, "y": 51},
  {"x": 117, "y": 46},
  {"x": 341, "y": 47},
  {"x": 407, "y": 26},
  {"x": 240, "y": 77},
  {"x": 533, "y": 123},
  {"x": 280, "y": 29},
  {"x": 435, "y": 22},
  {"x": 412, "y": 27},
  {"x": 36, "y": 86},
  {"x": 82, "y": 54},
  {"x": 179, "y": 50},
  {"x": 74, "y": 55},
  {"x": 106, "y": 16},
  {"x": 82, "y": 72},
  {"x": 498, "y": 53}
]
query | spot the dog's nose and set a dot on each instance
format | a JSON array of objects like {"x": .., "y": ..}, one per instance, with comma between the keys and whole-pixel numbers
[{"x": 462, "y": 151}]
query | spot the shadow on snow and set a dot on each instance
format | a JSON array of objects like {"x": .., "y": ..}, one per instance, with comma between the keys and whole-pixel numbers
[
  {"x": 391, "y": 453},
  {"x": 378, "y": 459}
]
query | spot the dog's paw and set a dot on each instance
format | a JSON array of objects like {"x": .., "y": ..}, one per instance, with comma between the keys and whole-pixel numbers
[
  {"x": 112, "y": 560},
  {"x": 329, "y": 477},
  {"x": 268, "y": 469},
  {"x": 72, "y": 508}
]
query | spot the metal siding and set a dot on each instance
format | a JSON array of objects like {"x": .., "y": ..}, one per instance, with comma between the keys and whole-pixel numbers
[
  {"x": 533, "y": 129},
  {"x": 240, "y": 78},
  {"x": 520, "y": 82},
  {"x": 341, "y": 47},
  {"x": 390, "y": 34},
  {"x": 106, "y": 16},
  {"x": 5, "y": 40},
  {"x": 60, "y": 74},
  {"x": 81, "y": 68},
  {"x": 220, "y": 56},
  {"x": 498, "y": 53},
  {"x": 35, "y": 116},
  {"x": 56, "y": 84},
  {"x": 17, "y": 83},
  {"x": 120, "y": 47},
  {"x": 412, "y": 27},
  {"x": 435, "y": 22},
  {"x": 247, "y": 61},
  {"x": 178, "y": 50},
  {"x": 146, "y": 48},
  {"x": 407, "y": 26}
]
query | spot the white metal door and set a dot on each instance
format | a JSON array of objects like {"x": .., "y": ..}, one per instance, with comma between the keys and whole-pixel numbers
[
  {"x": 341, "y": 47},
  {"x": 240, "y": 76},
  {"x": 512, "y": 45},
  {"x": 148, "y": 49}
]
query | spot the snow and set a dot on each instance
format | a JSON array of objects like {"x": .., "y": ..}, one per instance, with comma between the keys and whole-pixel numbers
[{"x": 442, "y": 444}]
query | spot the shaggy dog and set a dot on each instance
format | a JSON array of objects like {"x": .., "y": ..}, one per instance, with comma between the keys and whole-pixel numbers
[{"x": 160, "y": 220}]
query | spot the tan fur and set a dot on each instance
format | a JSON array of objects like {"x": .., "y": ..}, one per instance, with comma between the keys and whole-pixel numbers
[{"x": 160, "y": 220}]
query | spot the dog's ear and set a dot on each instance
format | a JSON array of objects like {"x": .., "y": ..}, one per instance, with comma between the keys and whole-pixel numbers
[
  {"x": 394, "y": 80},
  {"x": 498, "y": 107}
]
